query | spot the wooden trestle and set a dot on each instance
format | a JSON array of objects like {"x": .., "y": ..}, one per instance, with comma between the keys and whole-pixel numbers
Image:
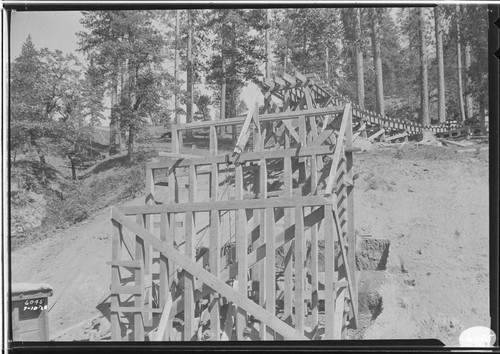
[{"x": 275, "y": 219}]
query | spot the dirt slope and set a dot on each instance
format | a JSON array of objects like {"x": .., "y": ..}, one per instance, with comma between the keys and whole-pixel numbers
[{"x": 431, "y": 203}]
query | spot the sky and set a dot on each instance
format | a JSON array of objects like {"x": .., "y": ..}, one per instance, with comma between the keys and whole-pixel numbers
[
  {"x": 51, "y": 29},
  {"x": 57, "y": 30}
]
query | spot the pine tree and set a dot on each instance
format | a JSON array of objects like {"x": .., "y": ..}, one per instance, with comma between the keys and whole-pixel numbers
[
  {"x": 424, "y": 95},
  {"x": 377, "y": 62},
  {"x": 440, "y": 61}
]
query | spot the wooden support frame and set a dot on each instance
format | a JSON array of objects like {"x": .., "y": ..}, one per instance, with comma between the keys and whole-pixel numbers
[{"x": 310, "y": 200}]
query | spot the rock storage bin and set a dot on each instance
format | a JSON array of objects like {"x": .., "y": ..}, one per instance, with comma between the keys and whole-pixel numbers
[{"x": 30, "y": 308}]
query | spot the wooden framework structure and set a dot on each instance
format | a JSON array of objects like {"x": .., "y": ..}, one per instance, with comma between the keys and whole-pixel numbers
[
  {"x": 287, "y": 95},
  {"x": 276, "y": 222}
]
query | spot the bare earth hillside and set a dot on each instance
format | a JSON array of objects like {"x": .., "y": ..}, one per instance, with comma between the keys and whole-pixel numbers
[{"x": 431, "y": 203}]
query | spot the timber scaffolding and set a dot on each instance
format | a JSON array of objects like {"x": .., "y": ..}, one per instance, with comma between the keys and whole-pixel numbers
[
  {"x": 276, "y": 218},
  {"x": 258, "y": 243},
  {"x": 289, "y": 90}
]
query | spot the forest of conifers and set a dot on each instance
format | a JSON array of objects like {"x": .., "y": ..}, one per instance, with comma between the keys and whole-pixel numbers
[{"x": 163, "y": 66}]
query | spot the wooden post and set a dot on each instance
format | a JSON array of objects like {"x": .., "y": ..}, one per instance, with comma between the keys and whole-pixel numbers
[
  {"x": 261, "y": 267},
  {"x": 270, "y": 268},
  {"x": 138, "y": 278},
  {"x": 288, "y": 222},
  {"x": 115, "y": 281},
  {"x": 172, "y": 183},
  {"x": 351, "y": 234},
  {"x": 189, "y": 286},
  {"x": 314, "y": 256},
  {"x": 164, "y": 266},
  {"x": 213, "y": 140},
  {"x": 300, "y": 275},
  {"x": 175, "y": 148},
  {"x": 241, "y": 252},
  {"x": 302, "y": 131},
  {"x": 329, "y": 272},
  {"x": 214, "y": 257}
]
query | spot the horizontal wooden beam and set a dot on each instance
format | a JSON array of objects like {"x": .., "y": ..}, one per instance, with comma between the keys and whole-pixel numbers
[
  {"x": 292, "y": 202},
  {"x": 247, "y": 156},
  {"x": 262, "y": 118},
  {"x": 133, "y": 309}
]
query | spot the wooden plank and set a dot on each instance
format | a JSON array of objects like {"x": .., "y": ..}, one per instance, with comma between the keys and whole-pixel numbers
[
  {"x": 314, "y": 257},
  {"x": 226, "y": 205},
  {"x": 190, "y": 234},
  {"x": 288, "y": 249},
  {"x": 211, "y": 280},
  {"x": 164, "y": 319},
  {"x": 214, "y": 258},
  {"x": 377, "y": 134},
  {"x": 338, "y": 148},
  {"x": 300, "y": 274},
  {"x": 138, "y": 279},
  {"x": 164, "y": 266},
  {"x": 246, "y": 156},
  {"x": 302, "y": 131},
  {"x": 339, "y": 314},
  {"x": 135, "y": 309},
  {"x": 175, "y": 140},
  {"x": 148, "y": 276},
  {"x": 264, "y": 117},
  {"x": 213, "y": 140},
  {"x": 125, "y": 264},
  {"x": 127, "y": 289},
  {"x": 173, "y": 184},
  {"x": 241, "y": 252},
  {"x": 329, "y": 272},
  {"x": 351, "y": 234},
  {"x": 261, "y": 267},
  {"x": 270, "y": 279},
  {"x": 245, "y": 130},
  {"x": 397, "y": 136},
  {"x": 350, "y": 281},
  {"x": 291, "y": 129},
  {"x": 115, "y": 281}
]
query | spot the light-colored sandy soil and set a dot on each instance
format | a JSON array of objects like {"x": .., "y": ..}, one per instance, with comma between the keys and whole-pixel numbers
[
  {"x": 433, "y": 206},
  {"x": 431, "y": 203}
]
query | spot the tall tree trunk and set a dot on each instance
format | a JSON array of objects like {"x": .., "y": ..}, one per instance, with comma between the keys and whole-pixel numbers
[
  {"x": 176, "y": 68},
  {"x": 113, "y": 123},
  {"x": 468, "y": 97},
  {"x": 73, "y": 169},
  {"x": 424, "y": 95},
  {"x": 440, "y": 61},
  {"x": 131, "y": 142},
  {"x": 482, "y": 115},
  {"x": 125, "y": 89},
  {"x": 189, "y": 71},
  {"x": 459, "y": 65},
  {"x": 377, "y": 62},
  {"x": 223, "y": 84},
  {"x": 132, "y": 98},
  {"x": 360, "y": 61},
  {"x": 268, "y": 44},
  {"x": 327, "y": 69}
]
